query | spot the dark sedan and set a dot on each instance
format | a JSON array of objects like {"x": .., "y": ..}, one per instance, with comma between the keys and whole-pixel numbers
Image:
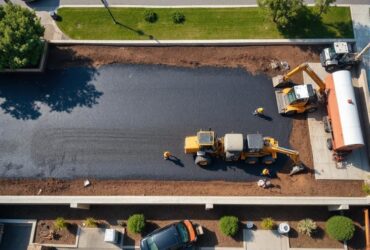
[{"x": 179, "y": 235}]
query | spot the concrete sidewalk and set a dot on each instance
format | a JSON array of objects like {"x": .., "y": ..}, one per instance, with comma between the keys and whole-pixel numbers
[{"x": 361, "y": 27}]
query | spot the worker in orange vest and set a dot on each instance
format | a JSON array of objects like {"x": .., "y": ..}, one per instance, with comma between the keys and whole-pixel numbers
[{"x": 166, "y": 155}]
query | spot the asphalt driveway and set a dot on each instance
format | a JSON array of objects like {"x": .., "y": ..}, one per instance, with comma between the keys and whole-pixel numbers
[{"x": 116, "y": 121}]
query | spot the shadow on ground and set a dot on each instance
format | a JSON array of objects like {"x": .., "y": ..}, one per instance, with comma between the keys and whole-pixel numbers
[
  {"x": 25, "y": 96},
  {"x": 24, "y": 99},
  {"x": 309, "y": 25}
]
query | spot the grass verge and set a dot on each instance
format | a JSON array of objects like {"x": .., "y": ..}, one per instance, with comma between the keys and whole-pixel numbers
[{"x": 200, "y": 23}]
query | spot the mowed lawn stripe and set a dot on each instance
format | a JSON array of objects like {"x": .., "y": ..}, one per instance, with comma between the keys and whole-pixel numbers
[{"x": 201, "y": 23}]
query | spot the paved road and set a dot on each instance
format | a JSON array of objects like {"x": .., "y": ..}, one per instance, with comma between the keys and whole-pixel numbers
[{"x": 117, "y": 121}]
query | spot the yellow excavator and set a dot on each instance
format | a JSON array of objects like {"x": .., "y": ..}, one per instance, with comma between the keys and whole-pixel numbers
[
  {"x": 298, "y": 98},
  {"x": 235, "y": 147}
]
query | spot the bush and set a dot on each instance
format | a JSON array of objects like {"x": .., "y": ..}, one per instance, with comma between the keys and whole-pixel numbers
[
  {"x": 178, "y": 17},
  {"x": 366, "y": 188},
  {"x": 267, "y": 223},
  {"x": 90, "y": 222},
  {"x": 307, "y": 227},
  {"x": 229, "y": 225},
  {"x": 60, "y": 223},
  {"x": 340, "y": 228},
  {"x": 150, "y": 16},
  {"x": 136, "y": 223}
]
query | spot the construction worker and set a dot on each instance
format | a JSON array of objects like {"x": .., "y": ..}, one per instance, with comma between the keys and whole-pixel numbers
[
  {"x": 265, "y": 172},
  {"x": 166, "y": 155},
  {"x": 258, "y": 111}
]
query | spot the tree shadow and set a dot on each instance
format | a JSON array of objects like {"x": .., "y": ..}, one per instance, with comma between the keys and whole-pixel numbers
[
  {"x": 27, "y": 96},
  {"x": 309, "y": 25},
  {"x": 24, "y": 96},
  {"x": 117, "y": 22}
]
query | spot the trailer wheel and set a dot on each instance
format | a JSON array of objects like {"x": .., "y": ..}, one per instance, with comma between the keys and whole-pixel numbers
[
  {"x": 268, "y": 160},
  {"x": 348, "y": 67},
  {"x": 202, "y": 161},
  {"x": 251, "y": 160},
  {"x": 329, "y": 144},
  {"x": 290, "y": 112},
  {"x": 311, "y": 110},
  {"x": 330, "y": 68}
]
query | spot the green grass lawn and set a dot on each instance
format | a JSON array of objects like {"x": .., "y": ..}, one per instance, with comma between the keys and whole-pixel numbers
[{"x": 201, "y": 23}]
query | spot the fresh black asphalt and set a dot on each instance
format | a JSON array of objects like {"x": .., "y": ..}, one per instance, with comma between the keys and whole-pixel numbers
[{"x": 116, "y": 121}]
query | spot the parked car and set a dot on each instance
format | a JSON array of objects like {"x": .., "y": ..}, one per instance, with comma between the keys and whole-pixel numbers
[{"x": 178, "y": 235}]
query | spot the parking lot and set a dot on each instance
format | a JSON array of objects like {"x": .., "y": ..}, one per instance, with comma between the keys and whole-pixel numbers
[{"x": 116, "y": 121}]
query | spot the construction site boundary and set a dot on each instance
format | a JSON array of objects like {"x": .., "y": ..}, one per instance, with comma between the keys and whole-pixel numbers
[
  {"x": 223, "y": 42},
  {"x": 208, "y": 201}
]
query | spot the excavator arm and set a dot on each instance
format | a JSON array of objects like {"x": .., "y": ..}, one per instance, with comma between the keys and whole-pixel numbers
[
  {"x": 363, "y": 51},
  {"x": 281, "y": 80},
  {"x": 272, "y": 147},
  {"x": 292, "y": 154}
]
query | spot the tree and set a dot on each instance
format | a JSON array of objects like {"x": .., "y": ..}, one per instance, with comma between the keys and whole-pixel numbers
[
  {"x": 323, "y": 5},
  {"x": 20, "y": 37},
  {"x": 282, "y": 11}
]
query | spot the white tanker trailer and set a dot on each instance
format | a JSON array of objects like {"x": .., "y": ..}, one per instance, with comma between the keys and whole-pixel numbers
[{"x": 343, "y": 120}]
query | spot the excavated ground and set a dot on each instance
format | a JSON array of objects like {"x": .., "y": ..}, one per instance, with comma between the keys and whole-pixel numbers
[{"x": 254, "y": 59}]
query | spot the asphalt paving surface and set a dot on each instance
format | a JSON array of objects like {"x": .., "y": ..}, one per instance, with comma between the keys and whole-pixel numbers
[{"x": 116, "y": 121}]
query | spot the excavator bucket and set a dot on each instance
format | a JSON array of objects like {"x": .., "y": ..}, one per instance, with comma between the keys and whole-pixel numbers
[
  {"x": 281, "y": 101},
  {"x": 279, "y": 82}
]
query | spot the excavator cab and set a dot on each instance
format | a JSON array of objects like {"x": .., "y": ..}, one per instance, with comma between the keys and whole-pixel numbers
[
  {"x": 296, "y": 99},
  {"x": 299, "y": 98},
  {"x": 301, "y": 94}
]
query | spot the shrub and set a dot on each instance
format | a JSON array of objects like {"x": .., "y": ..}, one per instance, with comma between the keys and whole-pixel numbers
[
  {"x": 136, "y": 223},
  {"x": 267, "y": 223},
  {"x": 366, "y": 188},
  {"x": 178, "y": 17},
  {"x": 90, "y": 222},
  {"x": 60, "y": 223},
  {"x": 307, "y": 227},
  {"x": 340, "y": 228},
  {"x": 229, "y": 225},
  {"x": 150, "y": 16}
]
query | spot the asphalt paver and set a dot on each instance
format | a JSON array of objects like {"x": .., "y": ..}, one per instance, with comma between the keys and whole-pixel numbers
[{"x": 116, "y": 121}]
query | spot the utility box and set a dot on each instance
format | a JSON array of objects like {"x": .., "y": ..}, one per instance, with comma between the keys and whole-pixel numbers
[{"x": 113, "y": 236}]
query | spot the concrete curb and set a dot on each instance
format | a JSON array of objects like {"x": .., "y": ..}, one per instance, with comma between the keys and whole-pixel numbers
[
  {"x": 186, "y": 200},
  {"x": 221, "y": 42},
  {"x": 39, "y": 69}
]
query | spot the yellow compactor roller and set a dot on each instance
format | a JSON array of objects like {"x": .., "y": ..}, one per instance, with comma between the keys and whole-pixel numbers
[{"x": 236, "y": 147}]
